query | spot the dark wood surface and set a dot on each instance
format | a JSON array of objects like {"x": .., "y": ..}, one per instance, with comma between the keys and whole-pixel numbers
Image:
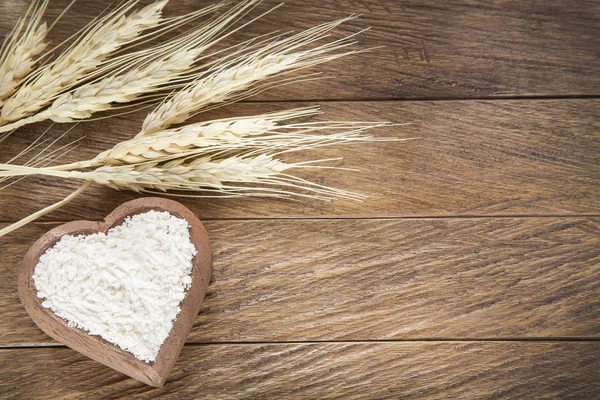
[
  {"x": 362, "y": 279},
  {"x": 473, "y": 269},
  {"x": 415, "y": 370},
  {"x": 440, "y": 49},
  {"x": 473, "y": 158}
]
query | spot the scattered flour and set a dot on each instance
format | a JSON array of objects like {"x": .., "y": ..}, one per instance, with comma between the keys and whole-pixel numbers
[{"x": 124, "y": 286}]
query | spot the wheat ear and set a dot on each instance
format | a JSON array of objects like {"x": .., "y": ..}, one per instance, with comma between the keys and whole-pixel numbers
[
  {"x": 21, "y": 47},
  {"x": 259, "y": 134},
  {"x": 226, "y": 82},
  {"x": 215, "y": 134},
  {"x": 223, "y": 178},
  {"x": 142, "y": 73},
  {"x": 99, "y": 41}
]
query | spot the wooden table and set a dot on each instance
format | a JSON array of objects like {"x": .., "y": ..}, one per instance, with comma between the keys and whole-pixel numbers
[{"x": 473, "y": 269}]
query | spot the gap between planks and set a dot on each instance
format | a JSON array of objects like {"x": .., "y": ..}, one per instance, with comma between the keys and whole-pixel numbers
[
  {"x": 374, "y": 218},
  {"x": 433, "y": 98},
  {"x": 419, "y": 340}
]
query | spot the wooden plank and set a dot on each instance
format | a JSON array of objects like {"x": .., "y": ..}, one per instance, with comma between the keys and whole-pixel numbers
[
  {"x": 456, "y": 48},
  {"x": 476, "y": 158},
  {"x": 500, "y": 370},
  {"x": 379, "y": 279}
]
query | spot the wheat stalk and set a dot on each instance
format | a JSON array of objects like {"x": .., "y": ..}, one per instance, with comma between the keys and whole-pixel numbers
[
  {"x": 22, "y": 45},
  {"x": 226, "y": 82},
  {"x": 44, "y": 211},
  {"x": 99, "y": 41}
]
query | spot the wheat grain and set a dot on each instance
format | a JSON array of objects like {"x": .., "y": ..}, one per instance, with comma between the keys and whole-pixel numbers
[
  {"x": 226, "y": 82},
  {"x": 86, "y": 54}
]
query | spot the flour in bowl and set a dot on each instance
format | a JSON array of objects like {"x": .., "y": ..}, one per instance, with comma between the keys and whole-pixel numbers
[{"x": 125, "y": 285}]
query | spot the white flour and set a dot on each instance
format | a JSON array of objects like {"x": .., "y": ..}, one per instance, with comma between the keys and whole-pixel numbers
[{"x": 124, "y": 286}]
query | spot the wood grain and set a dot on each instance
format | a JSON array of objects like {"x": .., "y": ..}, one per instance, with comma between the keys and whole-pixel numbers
[
  {"x": 379, "y": 279},
  {"x": 517, "y": 157},
  {"x": 500, "y": 370},
  {"x": 441, "y": 49},
  {"x": 359, "y": 283}
]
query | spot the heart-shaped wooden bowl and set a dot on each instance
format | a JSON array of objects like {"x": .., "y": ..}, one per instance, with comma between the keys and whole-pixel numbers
[{"x": 156, "y": 373}]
